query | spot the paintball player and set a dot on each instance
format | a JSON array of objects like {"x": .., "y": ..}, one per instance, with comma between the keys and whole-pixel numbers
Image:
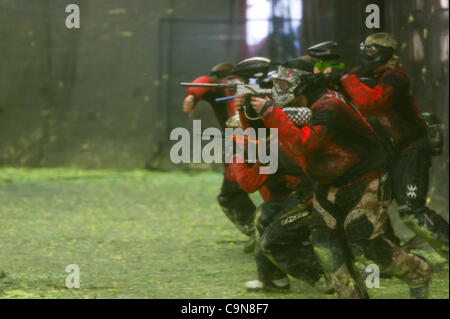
[
  {"x": 345, "y": 158},
  {"x": 220, "y": 73},
  {"x": 282, "y": 222},
  {"x": 234, "y": 202},
  {"x": 387, "y": 96},
  {"x": 329, "y": 64},
  {"x": 249, "y": 178}
]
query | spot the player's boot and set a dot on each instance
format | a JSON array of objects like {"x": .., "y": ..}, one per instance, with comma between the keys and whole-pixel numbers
[
  {"x": 270, "y": 285},
  {"x": 419, "y": 293}
]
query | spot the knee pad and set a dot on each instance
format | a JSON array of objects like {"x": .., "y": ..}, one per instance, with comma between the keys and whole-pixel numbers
[
  {"x": 240, "y": 211},
  {"x": 265, "y": 214},
  {"x": 378, "y": 251},
  {"x": 223, "y": 200},
  {"x": 358, "y": 229},
  {"x": 230, "y": 193}
]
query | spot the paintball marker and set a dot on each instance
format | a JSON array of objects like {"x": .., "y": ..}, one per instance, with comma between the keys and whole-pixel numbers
[
  {"x": 239, "y": 88},
  {"x": 327, "y": 54},
  {"x": 254, "y": 72},
  {"x": 256, "y": 83}
]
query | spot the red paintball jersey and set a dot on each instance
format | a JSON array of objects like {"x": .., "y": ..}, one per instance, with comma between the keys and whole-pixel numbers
[
  {"x": 334, "y": 145},
  {"x": 288, "y": 178},
  {"x": 223, "y": 110},
  {"x": 270, "y": 186},
  {"x": 392, "y": 102}
]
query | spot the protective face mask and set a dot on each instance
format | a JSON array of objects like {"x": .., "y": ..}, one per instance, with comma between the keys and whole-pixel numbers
[
  {"x": 282, "y": 99},
  {"x": 285, "y": 82}
]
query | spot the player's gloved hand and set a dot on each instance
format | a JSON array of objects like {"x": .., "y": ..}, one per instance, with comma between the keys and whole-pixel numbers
[
  {"x": 239, "y": 101},
  {"x": 189, "y": 104},
  {"x": 334, "y": 76},
  {"x": 261, "y": 106}
]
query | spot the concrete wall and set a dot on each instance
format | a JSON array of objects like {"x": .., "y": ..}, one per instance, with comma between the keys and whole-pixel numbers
[{"x": 88, "y": 97}]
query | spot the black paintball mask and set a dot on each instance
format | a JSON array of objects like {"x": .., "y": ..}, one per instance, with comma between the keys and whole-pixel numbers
[{"x": 374, "y": 55}]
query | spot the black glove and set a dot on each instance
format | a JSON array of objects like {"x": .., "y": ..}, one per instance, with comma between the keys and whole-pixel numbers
[
  {"x": 265, "y": 107},
  {"x": 310, "y": 82},
  {"x": 334, "y": 77}
]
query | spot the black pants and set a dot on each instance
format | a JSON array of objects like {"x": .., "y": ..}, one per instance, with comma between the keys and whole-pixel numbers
[
  {"x": 410, "y": 181},
  {"x": 351, "y": 223},
  {"x": 283, "y": 245},
  {"x": 237, "y": 206}
]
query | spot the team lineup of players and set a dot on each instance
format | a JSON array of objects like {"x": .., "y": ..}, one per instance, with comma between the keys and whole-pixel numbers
[{"x": 350, "y": 143}]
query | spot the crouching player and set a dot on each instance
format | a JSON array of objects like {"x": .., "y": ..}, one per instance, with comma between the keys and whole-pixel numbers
[
  {"x": 234, "y": 202},
  {"x": 345, "y": 158},
  {"x": 388, "y": 97},
  {"x": 282, "y": 223}
]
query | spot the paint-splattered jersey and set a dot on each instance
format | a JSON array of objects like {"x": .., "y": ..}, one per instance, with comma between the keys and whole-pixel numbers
[
  {"x": 333, "y": 147},
  {"x": 392, "y": 102},
  {"x": 270, "y": 186}
]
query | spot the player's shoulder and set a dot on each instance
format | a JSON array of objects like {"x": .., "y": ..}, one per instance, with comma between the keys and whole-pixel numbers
[
  {"x": 328, "y": 108},
  {"x": 395, "y": 75},
  {"x": 204, "y": 79},
  {"x": 329, "y": 100}
]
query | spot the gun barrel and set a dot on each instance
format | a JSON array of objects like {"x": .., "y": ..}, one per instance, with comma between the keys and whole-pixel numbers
[
  {"x": 213, "y": 85},
  {"x": 226, "y": 98}
]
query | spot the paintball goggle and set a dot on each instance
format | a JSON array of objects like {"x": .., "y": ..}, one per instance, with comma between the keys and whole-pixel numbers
[{"x": 374, "y": 55}]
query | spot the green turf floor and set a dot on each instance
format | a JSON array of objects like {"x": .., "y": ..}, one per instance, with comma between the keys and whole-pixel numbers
[{"x": 133, "y": 235}]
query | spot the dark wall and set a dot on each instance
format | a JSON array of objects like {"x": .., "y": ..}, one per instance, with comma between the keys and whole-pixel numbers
[{"x": 87, "y": 97}]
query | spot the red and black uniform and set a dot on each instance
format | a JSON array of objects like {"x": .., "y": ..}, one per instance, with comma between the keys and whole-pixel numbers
[
  {"x": 288, "y": 177},
  {"x": 234, "y": 202},
  {"x": 270, "y": 186},
  {"x": 391, "y": 102},
  {"x": 337, "y": 146},
  {"x": 343, "y": 154},
  {"x": 282, "y": 222}
]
